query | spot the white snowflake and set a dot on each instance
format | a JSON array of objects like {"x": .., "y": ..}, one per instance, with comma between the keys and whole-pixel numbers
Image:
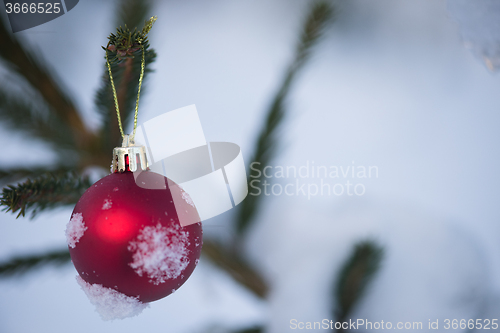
[
  {"x": 107, "y": 204},
  {"x": 160, "y": 252},
  {"x": 75, "y": 229}
]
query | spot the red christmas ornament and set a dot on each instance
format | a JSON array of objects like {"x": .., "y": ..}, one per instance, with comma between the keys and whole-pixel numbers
[
  {"x": 129, "y": 238},
  {"x": 134, "y": 237}
]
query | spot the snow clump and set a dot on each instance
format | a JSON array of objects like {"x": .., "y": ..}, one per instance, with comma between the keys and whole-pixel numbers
[
  {"x": 75, "y": 229},
  {"x": 109, "y": 303},
  {"x": 160, "y": 252}
]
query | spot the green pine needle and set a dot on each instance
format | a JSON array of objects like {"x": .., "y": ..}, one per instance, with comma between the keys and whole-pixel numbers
[
  {"x": 128, "y": 44},
  {"x": 49, "y": 190}
]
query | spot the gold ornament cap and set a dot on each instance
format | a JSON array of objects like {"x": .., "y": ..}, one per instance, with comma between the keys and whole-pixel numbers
[{"x": 136, "y": 156}]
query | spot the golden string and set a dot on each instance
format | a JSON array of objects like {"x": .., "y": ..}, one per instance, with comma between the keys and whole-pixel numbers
[
  {"x": 139, "y": 92},
  {"x": 115, "y": 97}
]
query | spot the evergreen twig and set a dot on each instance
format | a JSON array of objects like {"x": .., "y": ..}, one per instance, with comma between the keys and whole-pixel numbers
[
  {"x": 236, "y": 266},
  {"x": 355, "y": 276},
  {"x": 8, "y": 175},
  {"x": 222, "y": 258},
  {"x": 22, "y": 264},
  {"x": 320, "y": 14},
  {"x": 124, "y": 51},
  {"x": 49, "y": 190}
]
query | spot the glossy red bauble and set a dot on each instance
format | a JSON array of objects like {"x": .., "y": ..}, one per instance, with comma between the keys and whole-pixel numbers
[{"x": 129, "y": 238}]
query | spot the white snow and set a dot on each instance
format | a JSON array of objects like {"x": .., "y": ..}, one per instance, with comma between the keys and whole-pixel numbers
[
  {"x": 107, "y": 204},
  {"x": 187, "y": 198},
  {"x": 75, "y": 229},
  {"x": 109, "y": 303},
  {"x": 160, "y": 252}
]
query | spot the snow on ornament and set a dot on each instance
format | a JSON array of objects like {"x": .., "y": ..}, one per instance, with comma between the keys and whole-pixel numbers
[
  {"x": 160, "y": 253},
  {"x": 110, "y": 303},
  {"x": 75, "y": 229}
]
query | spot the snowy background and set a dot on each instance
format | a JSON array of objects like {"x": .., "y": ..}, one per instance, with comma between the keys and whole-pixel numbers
[{"x": 391, "y": 86}]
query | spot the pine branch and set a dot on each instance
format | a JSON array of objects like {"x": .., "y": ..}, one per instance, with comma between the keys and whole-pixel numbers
[
  {"x": 32, "y": 68},
  {"x": 236, "y": 266},
  {"x": 35, "y": 119},
  {"x": 8, "y": 175},
  {"x": 23, "y": 264},
  {"x": 125, "y": 53},
  {"x": 355, "y": 276},
  {"x": 225, "y": 260},
  {"x": 47, "y": 191},
  {"x": 320, "y": 15}
]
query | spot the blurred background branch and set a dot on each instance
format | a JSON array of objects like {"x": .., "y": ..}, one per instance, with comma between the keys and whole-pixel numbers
[
  {"x": 355, "y": 276},
  {"x": 23, "y": 264},
  {"x": 36, "y": 72},
  {"x": 320, "y": 14}
]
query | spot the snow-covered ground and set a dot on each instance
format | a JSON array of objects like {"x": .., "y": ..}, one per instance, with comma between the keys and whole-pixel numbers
[{"x": 391, "y": 86}]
